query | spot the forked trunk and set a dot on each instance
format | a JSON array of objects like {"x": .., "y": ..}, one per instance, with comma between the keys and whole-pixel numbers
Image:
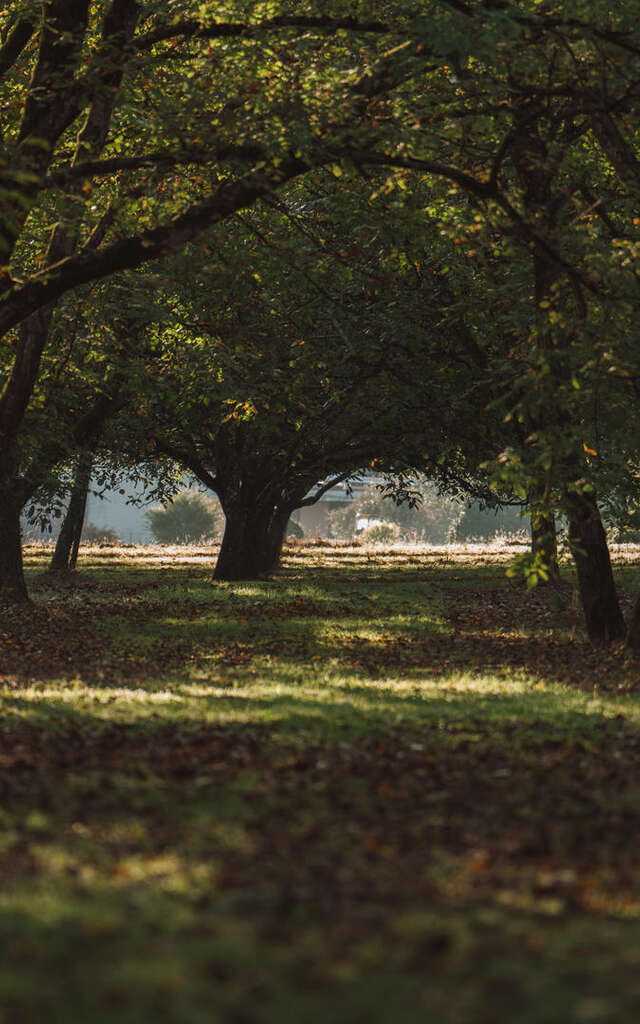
[
  {"x": 588, "y": 542},
  {"x": 13, "y": 589},
  {"x": 252, "y": 541},
  {"x": 65, "y": 555}
]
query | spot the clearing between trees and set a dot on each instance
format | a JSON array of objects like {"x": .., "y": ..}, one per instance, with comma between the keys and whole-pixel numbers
[{"x": 383, "y": 785}]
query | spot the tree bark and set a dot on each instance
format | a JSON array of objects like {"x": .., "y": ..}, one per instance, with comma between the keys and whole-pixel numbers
[
  {"x": 277, "y": 534},
  {"x": 252, "y": 541},
  {"x": 65, "y": 555},
  {"x": 633, "y": 632},
  {"x": 588, "y": 542},
  {"x": 13, "y": 589}
]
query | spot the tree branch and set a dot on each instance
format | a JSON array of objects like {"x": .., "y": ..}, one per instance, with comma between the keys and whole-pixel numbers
[
  {"x": 481, "y": 189},
  {"x": 16, "y": 41},
  {"x": 102, "y": 168},
  {"x": 136, "y": 250},
  {"x": 333, "y": 482},
  {"x": 189, "y": 29},
  {"x": 189, "y": 460},
  {"x": 50, "y": 105}
]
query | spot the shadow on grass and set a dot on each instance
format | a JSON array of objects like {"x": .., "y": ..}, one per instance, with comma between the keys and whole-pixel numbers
[
  {"x": 311, "y": 800},
  {"x": 187, "y": 871}
]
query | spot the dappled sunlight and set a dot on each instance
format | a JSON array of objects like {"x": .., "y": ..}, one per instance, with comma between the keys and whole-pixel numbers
[
  {"x": 83, "y": 693},
  {"x": 329, "y": 702},
  {"x": 375, "y": 765}
]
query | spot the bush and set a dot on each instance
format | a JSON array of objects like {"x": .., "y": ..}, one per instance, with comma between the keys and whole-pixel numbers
[
  {"x": 382, "y": 533},
  {"x": 93, "y": 534},
  {"x": 188, "y": 519}
]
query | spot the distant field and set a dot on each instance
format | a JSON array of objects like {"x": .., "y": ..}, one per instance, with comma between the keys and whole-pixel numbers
[{"x": 382, "y": 786}]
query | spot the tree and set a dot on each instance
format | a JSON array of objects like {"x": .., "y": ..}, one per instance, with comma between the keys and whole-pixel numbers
[
  {"x": 89, "y": 374},
  {"x": 117, "y": 132},
  {"x": 296, "y": 365},
  {"x": 517, "y": 137},
  {"x": 65, "y": 555},
  {"x": 525, "y": 108}
]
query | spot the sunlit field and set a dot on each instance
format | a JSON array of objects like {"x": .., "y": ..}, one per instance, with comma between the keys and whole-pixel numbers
[{"x": 385, "y": 785}]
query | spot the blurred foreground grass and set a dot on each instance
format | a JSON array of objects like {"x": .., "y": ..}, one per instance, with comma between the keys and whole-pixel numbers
[{"x": 381, "y": 786}]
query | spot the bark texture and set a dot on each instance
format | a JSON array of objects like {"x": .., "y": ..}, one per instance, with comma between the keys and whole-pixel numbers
[
  {"x": 65, "y": 555},
  {"x": 13, "y": 589},
  {"x": 633, "y": 632},
  {"x": 588, "y": 541},
  {"x": 252, "y": 541}
]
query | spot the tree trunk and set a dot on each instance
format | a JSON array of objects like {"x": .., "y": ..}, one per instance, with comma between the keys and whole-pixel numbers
[
  {"x": 65, "y": 555},
  {"x": 544, "y": 538},
  {"x": 13, "y": 589},
  {"x": 277, "y": 534},
  {"x": 633, "y": 632},
  {"x": 588, "y": 542},
  {"x": 543, "y": 198},
  {"x": 252, "y": 541}
]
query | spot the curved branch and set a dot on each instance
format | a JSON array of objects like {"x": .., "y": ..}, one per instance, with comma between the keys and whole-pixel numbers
[
  {"x": 136, "y": 250},
  {"x": 475, "y": 187},
  {"x": 189, "y": 460},
  {"x": 333, "y": 482},
  {"x": 189, "y": 29},
  {"x": 101, "y": 168}
]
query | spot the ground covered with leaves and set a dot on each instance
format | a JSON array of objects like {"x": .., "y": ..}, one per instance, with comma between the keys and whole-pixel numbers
[{"x": 383, "y": 786}]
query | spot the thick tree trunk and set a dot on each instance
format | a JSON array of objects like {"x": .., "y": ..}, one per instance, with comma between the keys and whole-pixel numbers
[
  {"x": 588, "y": 542},
  {"x": 252, "y": 541},
  {"x": 13, "y": 589},
  {"x": 65, "y": 555},
  {"x": 544, "y": 539}
]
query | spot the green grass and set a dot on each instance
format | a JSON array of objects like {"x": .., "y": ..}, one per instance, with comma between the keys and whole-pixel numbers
[{"x": 377, "y": 787}]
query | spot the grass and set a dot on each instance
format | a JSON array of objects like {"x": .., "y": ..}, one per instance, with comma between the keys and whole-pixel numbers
[{"x": 383, "y": 786}]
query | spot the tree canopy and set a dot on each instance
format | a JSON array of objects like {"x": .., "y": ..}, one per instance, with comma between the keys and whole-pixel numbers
[{"x": 505, "y": 137}]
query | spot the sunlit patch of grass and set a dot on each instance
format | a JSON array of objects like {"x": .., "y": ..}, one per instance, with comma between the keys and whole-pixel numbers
[{"x": 327, "y": 702}]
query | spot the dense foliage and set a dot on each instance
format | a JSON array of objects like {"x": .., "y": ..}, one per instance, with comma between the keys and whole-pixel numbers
[{"x": 504, "y": 136}]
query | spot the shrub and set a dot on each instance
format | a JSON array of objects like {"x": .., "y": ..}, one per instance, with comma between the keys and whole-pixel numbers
[
  {"x": 93, "y": 534},
  {"x": 382, "y": 533},
  {"x": 188, "y": 519}
]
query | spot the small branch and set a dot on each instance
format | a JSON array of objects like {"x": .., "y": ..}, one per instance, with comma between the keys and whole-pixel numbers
[
  {"x": 189, "y": 460},
  {"x": 102, "y": 168},
  {"x": 325, "y": 487},
  {"x": 597, "y": 205}
]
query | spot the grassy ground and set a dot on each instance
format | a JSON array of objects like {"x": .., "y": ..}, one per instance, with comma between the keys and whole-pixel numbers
[{"x": 380, "y": 787}]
